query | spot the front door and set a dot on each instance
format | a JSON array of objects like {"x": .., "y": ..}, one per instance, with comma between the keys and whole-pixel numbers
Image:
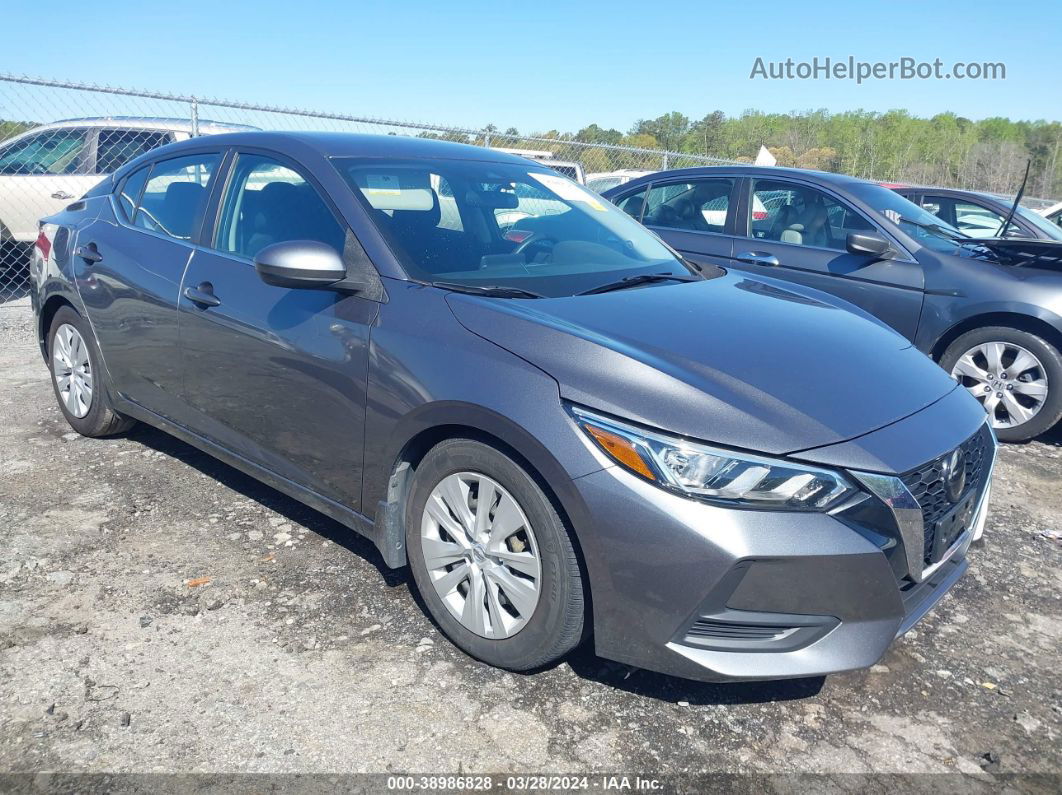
[
  {"x": 276, "y": 375},
  {"x": 798, "y": 233}
]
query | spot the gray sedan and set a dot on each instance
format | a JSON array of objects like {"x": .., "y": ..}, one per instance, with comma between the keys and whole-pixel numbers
[{"x": 560, "y": 425}]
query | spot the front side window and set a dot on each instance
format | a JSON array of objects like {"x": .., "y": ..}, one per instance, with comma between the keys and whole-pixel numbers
[
  {"x": 174, "y": 195},
  {"x": 700, "y": 205},
  {"x": 797, "y": 214},
  {"x": 487, "y": 223},
  {"x": 267, "y": 202},
  {"x": 50, "y": 152},
  {"x": 115, "y": 148}
]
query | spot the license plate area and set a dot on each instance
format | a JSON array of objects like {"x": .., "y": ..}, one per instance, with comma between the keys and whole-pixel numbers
[{"x": 953, "y": 525}]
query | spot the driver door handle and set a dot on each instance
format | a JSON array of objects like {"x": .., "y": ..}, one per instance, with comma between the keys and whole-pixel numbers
[
  {"x": 62, "y": 194},
  {"x": 203, "y": 295},
  {"x": 757, "y": 258}
]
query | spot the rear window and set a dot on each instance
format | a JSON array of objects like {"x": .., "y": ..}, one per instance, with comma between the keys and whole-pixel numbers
[{"x": 115, "y": 148}]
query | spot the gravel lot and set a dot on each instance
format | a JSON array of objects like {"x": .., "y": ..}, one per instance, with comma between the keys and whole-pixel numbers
[{"x": 298, "y": 652}]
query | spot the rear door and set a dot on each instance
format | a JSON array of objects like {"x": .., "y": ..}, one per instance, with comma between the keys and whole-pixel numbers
[
  {"x": 797, "y": 231},
  {"x": 693, "y": 215},
  {"x": 276, "y": 375},
  {"x": 131, "y": 290}
]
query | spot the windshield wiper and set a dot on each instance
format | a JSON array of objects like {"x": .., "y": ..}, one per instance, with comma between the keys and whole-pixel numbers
[
  {"x": 642, "y": 278},
  {"x": 493, "y": 290}
]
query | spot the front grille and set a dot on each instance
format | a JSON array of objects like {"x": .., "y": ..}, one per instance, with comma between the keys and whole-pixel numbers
[{"x": 927, "y": 484}]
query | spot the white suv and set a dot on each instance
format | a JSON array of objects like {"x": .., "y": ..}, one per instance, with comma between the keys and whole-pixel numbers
[{"x": 47, "y": 167}]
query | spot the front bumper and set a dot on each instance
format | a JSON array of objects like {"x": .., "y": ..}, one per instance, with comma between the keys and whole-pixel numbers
[{"x": 717, "y": 594}]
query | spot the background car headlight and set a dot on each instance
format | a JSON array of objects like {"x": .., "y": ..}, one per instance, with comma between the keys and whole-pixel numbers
[{"x": 720, "y": 476}]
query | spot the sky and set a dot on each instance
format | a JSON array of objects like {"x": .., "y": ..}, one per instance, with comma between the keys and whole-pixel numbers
[{"x": 543, "y": 65}]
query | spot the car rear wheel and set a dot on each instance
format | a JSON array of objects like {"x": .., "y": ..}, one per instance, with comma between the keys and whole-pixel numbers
[
  {"x": 1016, "y": 376},
  {"x": 491, "y": 557},
  {"x": 78, "y": 379}
]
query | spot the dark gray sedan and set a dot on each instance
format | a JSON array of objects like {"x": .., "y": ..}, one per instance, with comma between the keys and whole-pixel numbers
[
  {"x": 988, "y": 310},
  {"x": 509, "y": 385}
]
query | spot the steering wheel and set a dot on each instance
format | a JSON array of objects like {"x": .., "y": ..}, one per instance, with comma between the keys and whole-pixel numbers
[{"x": 534, "y": 239}]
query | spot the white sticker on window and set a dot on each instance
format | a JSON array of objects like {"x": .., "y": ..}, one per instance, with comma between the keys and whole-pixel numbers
[{"x": 569, "y": 191}]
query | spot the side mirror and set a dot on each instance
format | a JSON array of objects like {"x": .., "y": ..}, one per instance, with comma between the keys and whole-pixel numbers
[
  {"x": 300, "y": 263},
  {"x": 868, "y": 245}
]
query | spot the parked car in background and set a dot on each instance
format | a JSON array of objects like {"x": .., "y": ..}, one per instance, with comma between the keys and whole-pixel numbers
[
  {"x": 568, "y": 168},
  {"x": 601, "y": 181},
  {"x": 987, "y": 310},
  {"x": 47, "y": 167},
  {"x": 1053, "y": 214},
  {"x": 979, "y": 215},
  {"x": 563, "y": 428}
]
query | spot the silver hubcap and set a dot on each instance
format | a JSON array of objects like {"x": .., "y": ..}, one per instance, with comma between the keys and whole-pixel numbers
[
  {"x": 1009, "y": 381},
  {"x": 72, "y": 370},
  {"x": 481, "y": 554}
]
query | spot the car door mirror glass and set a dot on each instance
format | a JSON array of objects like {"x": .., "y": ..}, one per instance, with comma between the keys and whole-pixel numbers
[{"x": 303, "y": 264}]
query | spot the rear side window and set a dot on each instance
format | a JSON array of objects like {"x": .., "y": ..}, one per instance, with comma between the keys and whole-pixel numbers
[
  {"x": 115, "y": 148},
  {"x": 175, "y": 194},
  {"x": 267, "y": 202},
  {"x": 700, "y": 205},
  {"x": 632, "y": 203},
  {"x": 129, "y": 192}
]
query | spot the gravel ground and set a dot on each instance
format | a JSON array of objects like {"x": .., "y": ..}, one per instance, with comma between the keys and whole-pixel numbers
[{"x": 161, "y": 612}]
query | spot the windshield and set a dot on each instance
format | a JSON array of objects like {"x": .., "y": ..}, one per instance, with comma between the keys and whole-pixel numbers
[
  {"x": 1053, "y": 231},
  {"x": 923, "y": 226},
  {"x": 482, "y": 223},
  {"x": 52, "y": 152}
]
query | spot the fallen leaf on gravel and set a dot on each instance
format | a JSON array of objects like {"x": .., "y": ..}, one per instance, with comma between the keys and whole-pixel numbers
[
  {"x": 268, "y": 557},
  {"x": 988, "y": 685},
  {"x": 196, "y": 582}
]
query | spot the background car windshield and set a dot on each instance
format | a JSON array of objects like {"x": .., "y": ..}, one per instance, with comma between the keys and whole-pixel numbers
[
  {"x": 482, "y": 223},
  {"x": 54, "y": 152},
  {"x": 1053, "y": 231},
  {"x": 923, "y": 226}
]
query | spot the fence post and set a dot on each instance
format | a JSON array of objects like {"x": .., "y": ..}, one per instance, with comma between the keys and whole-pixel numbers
[
  {"x": 195, "y": 117},
  {"x": 664, "y": 159},
  {"x": 486, "y": 138}
]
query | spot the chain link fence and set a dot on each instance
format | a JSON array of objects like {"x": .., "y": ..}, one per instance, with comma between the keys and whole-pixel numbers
[{"x": 59, "y": 139}]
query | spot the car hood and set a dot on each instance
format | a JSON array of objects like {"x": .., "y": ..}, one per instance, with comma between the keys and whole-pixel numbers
[{"x": 744, "y": 362}]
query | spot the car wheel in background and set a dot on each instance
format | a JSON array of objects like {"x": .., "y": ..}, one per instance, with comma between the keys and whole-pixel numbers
[
  {"x": 78, "y": 379},
  {"x": 491, "y": 557},
  {"x": 1016, "y": 376}
]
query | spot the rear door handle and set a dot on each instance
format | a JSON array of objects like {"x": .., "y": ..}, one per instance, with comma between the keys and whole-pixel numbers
[
  {"x": 62, "y": 194},
  {"x": 203, "y": 295},
  {"x": 89, "y": 253},
  {"x": 757, "y": 258}
]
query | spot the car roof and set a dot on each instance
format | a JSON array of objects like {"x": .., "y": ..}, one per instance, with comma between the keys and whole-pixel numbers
[
  {"x": 144, "y": 123},
  {"x": 336, "y": 144},
  {"x": 743, "y": 170}
]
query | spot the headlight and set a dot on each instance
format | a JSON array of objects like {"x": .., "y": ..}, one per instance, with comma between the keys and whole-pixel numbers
[{"x": 719, "y": 476}]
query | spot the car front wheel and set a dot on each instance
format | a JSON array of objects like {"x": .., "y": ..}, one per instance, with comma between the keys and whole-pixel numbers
[
  {"x": 1016, "y": 376},
  {"x": 491, "y": 557}
]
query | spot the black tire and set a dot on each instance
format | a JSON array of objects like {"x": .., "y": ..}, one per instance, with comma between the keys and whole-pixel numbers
[
  {"x": 101, "y": 419},
  {"x": 557, "y": 623},
  {"x": 1051, "y": 410}
]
